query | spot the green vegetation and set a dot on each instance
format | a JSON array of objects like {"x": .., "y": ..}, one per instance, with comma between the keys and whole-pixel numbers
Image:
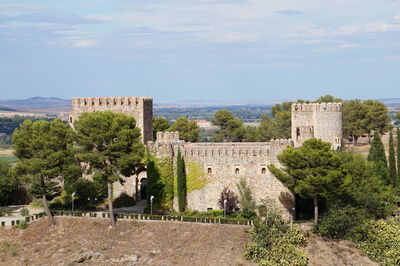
[
  {"x": 232, "y": 200},
  {"x": 195, "y": 177},
  {"x": 181, "y": 182},
  {"x": 110, "y": 146},
  {"x": 377, "y": 155},
  {"x": 124, "y": 200},
  {"x": 45, "y": 151},
  {"x": 247, "y": 204},
  {"x": 188, "y": 130},
  {"x": 230, "y": 128},
  {"x": 159, "y": 125},
  {"x": 274, "y": 242},
  {"x": 24, "y": 212},
  {"x": 6, "y": 211},
  {"x": 311, "y": 171},
  {"x": 392, "y": 162},
  {"x": 10, "y": 185},
  {"x": 398, "y": 161}
]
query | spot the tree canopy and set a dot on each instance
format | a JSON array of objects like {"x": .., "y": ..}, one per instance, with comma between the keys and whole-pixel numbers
[
  {"x": 230, "y": 128},
  {"x": 160, "y": 125},
  {"x": 188, "y": 130},
  {"x": 110, "y": 146}
]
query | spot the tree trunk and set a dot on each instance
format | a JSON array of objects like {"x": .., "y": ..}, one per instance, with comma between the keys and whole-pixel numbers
[
  {"x": 110, "y": 204},
  {"x": 315, "y": 211},
  {"x": 47, "y": 210}
]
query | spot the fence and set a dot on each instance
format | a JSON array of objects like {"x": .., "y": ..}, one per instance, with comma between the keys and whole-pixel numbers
[{"x": 17, "y": 221}]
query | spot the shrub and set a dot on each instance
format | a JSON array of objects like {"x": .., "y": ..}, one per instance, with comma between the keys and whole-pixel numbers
[
  {"x": 24, "y": 212},
  {"x": 6, "y": 211},
  {"x": 124, "y": 200},
  {"x": 273, "y": 242},
  {"x": 246, "y": 200},
  {"x": 232, "y": 200},
  {"x": 37, "y": 204},
  {"x": 337, "y": 223},
  {"x": 22, "y": 225},
  {"x": 380, "y": 240}
]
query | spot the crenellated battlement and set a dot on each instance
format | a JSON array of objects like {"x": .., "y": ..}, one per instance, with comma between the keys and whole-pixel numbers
[
  {"x": 313, "y": 107},
  {"x": 110, "y": 101},
  {"x": 167, "y": 136}
]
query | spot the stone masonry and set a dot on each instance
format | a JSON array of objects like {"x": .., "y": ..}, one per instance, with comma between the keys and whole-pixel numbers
[{"x": 224, "y": 164}]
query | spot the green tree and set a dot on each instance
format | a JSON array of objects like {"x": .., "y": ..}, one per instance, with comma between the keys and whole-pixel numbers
[
  {"x": 377, "y": 155},
  {"x": 328, "y": 99},
  {"x": 266, "y": 129},
  {"x": 392, "y": 161},
  {"x": 45, "y": 153},
  {"x": 160, "y": 124},
  {"x": 354, "y": 119},
  {"x": 398, "y": 159},
  {"x": 110, "y": 146},
  {"x": 188, "y": 130},
  {"x": 398, "y": 117},
  {"x": 311, "y": 171},
  {"x": 246, "y": 199},
  {"x": 251, "y": 134},
  {"x": 376, "y": 116},
  {"x": 230, "y": 128},
  {"x": 181, "y": 182},
  {"x": 9, "y": 184}
]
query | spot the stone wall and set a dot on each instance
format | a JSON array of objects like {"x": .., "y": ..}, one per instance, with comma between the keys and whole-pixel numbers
[
  {"x": 317, "y": 120},
  {"x": 141, "y": 108}
]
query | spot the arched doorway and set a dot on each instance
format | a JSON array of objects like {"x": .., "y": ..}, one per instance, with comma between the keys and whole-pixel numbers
[{"x": 143, "y": 188}]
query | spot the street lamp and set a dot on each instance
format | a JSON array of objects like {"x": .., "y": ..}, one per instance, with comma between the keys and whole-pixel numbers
[
  {"x": 151, "y": 204},
  {"x": 225, "y": 202},
  {"x": 73, "y": 195}
]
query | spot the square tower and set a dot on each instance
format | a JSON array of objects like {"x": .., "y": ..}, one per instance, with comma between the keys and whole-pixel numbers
[
  {"x": 141, "y": 108},
  {"x": 317, "y": 120}
]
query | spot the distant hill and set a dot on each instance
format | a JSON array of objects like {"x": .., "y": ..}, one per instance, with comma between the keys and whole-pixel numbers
[{"x": 36, "y": 102}]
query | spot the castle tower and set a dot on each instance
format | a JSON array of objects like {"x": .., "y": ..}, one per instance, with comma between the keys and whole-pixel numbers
[
  {"x": 141, "y": 108},
  {"x": 317, "y": 120}
]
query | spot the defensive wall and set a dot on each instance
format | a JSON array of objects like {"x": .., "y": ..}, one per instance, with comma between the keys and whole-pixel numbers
[{"x": 141, "y": 108}]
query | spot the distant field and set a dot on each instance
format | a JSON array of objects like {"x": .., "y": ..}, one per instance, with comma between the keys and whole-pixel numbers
[{"x": 7, "y": 155}]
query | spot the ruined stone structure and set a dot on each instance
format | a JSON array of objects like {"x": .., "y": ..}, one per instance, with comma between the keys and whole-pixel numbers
[
  {"x": 141, "y": 108},
  {"x": 224, "y": 164},
  {"x": 317, "y": 120}
]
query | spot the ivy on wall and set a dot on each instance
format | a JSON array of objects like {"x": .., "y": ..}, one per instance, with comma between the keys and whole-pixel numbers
[{"x": 195, "y": 177}]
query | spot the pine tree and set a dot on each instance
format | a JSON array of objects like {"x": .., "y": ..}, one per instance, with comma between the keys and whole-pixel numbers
[
  {"x": 392, "y": 161},
  {"x": 181, "y": 182},
  {"x": 377, "y": 155}
]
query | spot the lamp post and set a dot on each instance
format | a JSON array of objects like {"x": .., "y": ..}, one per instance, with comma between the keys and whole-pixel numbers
[
  {"x": 225, "y": 202},
  {"x": 73, "y": 197},
  {"x": 151, "y": 204}
]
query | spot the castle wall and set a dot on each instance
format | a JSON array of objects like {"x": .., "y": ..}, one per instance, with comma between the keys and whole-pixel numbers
[{"x": 141, "y": 108}]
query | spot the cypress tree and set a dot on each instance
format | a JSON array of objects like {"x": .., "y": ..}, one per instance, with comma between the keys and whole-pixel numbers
[
  {"x": 398, "y": 158},
  {"x": 377, "y": 155},
  {"x": 392, "y": 161},
  {"x": 181, "y": 182},
  {"x": 153, "y": 186}
]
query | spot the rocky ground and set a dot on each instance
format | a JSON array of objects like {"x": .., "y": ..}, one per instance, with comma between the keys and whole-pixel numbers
[{"x": 92, "y": 242}]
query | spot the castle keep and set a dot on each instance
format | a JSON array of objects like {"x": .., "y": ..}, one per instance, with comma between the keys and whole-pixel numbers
[{"x": 223, "y": 164}]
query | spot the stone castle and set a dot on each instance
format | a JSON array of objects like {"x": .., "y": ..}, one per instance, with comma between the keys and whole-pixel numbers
[{"x": 223, "y": 164}]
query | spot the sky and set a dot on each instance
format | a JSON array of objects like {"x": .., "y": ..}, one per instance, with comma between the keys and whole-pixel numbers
[{"x": 205, "y": 50}]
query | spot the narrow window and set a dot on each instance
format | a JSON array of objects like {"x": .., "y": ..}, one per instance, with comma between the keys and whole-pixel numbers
[
  {"x": 70, "y": 119},
  {"x": 237, "y": 171},
  {"x": 263, "y": 171},
  {"x": 209, "y": 170}
]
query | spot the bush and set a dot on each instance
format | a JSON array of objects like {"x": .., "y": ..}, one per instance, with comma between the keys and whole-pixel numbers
[
  {"x": 22, "y": 225},
  {"x": 6, "y": 211},
  {"x": 380, "y": 240},
  {"x": 273, "y": 242},
  {"x": 337, "y": 223},
  {"x": 24, "y": 212},
  {"x": 124, "y": 201},
  {"x": 232, "y": 200},
  {"x": 37, "y": 204}
]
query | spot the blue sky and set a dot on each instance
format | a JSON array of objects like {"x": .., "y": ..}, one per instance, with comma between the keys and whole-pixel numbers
[{"x": 200, "y": 49}]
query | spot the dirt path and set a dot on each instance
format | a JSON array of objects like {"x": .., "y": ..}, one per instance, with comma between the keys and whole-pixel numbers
[
  {"x": 130, "y": 243},
  {"x": 328, "y": 253}
]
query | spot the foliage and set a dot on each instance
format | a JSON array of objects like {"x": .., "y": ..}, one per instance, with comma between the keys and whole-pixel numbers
[
  {"x": 45, "y": 150},
  {"x": 377, "y": 155},
  {"x": 273, "y": 242},
  {"x": 181, "y": 182},
  {"x": 188, "y": 130},
  {"x": 230, "y": 128},
  {"x": 392, "y": 162},
  {"x": 398, "y": 160},
  {"x": 6, "y": 211},
  {"x": 231, "y": 198},
  {"x": 311, "y": 171},
  {"x": 328, "y": 99},
  {"x": 195, "y": 177},
  {"x": 22, "y": 225},
  {"x": 37, "y": 204},
  {"x": 9, "y": 184},
  {"x": 24, "y": 212},
  {"x": 337, "y": 222},
  {"x": 379, "y": 239},
  {"x": 159, "y": 125},
  {"x": 124, "y": 200},
  {"x": 110, "y": 146},
  {"x": 247, "y": 203}
]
